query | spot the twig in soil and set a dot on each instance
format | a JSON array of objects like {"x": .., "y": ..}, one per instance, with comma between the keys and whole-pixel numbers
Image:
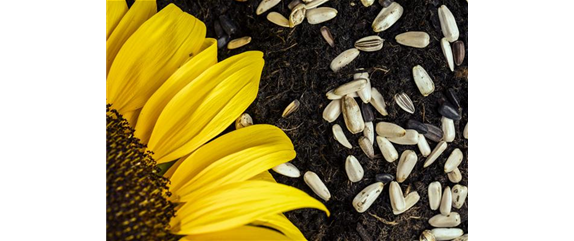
[
  {"x": 292, "y": 129},
  {"x": 379, "y": 69},
  {"x": 383, "y": 220}
]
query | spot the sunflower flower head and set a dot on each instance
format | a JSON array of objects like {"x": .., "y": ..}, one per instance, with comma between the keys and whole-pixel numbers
[{"x": 168, "y": 98}]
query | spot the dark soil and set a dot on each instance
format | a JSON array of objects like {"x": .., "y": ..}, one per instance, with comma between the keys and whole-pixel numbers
[{"x": 297, "y": 67}]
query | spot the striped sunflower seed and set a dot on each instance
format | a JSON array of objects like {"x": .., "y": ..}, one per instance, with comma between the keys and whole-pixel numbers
[
  {"x": 291, "y": 108},
  {"x": 238, "y": 42},
  {"x": 370, "y": 43},
  {"x": 434, "y": 133},
  {"x": 297, "y": 15},
  {"x": 436, "y": 152},
  {"x": 449, "y": 111},
  {"x": 367, "y": 197},
  {"x": 320, "y": 15},
  {"x": 326, "y": 33},
  {"x": 423, "y": 80},
  {"x": 244, "y": 120},
  {"x": 314, "y": 3},
  {"x": 405, "y": 102},
  {"x": 332, "y": 111},
  {"x": 352, "y": 115},
  {"x": 367, "y": 147},
  {"x": 389, "y": 152},
  {"x": 447, "y": 24},
  {"x": 287, "y": 169},
  {"x": 415, "y": 39},
  {"x": 435, "y": 195},
  {"x": 344, "y": 59},
  {"x": 318, "y": 187},
  {"x": 417, "y": 126},
  {"x": 339, "y": 136},
  {"x": 278, "y": 19},
  {"x": 387, "y": 17},
  {"x": 265, "y": 5},
  {"x": 406, "y": 164},
  {"x": 378, "y": 102},
  {"x": 447, "y": 52},
  {"x": 458, "y": 52},
  {"x": 354, "y": 169}
]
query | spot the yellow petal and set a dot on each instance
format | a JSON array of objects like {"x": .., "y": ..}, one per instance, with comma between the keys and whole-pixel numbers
[
  {"x": 153, "y": 53},
  {"x": 264, "y": 176},
  {"x": 237, "y": 204},
  {"x": 235, "y": 156},
  {"x": 206, "y": 106},
  {"x": 185, "y": 74},
  {"x": 115, "y": 10},
  {"x": 139, "y": 12},
  {"x": 281, "y": 223},
  {"x": 239, "y": 234}
]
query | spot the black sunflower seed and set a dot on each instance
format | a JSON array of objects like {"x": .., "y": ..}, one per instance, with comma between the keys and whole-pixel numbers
[
  {"x": 434, "y": 133},
  {"x": 218, "y": 30},
  {"x": 221, "y": 42},
  {"x": 418, "y": 126},
  {"x": 228, "y": 25},
  {"x": 449, "y": 111},
  {"x": 384, "y": 178},
  {"x": 458, "y": 52},
  {"x": 367, "y": 110},
  {"x": 451, "y": 95}
]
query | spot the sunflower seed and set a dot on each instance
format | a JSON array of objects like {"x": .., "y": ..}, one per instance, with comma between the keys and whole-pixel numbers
[
  {"x": 367, "y": 196},
  {"x": 265, "y": 5},
  {"x": 389, "y": 152},
  {"x": 453, "y": 160},
  {"x": 435, "y": 194},
  {"x": 385, "y": 3},
  {"x": 367, "y": 147},
  {"x": 332, "y": 111},
  {"x": 378, "y": 102},
  {"x": 446, "y": 233},
  {"x": 318, "y": 187},
  {"x": 370, "y": 43},
  {"x": 447, "y": 24},
  {"x": 340, "y": 136},
  {"x": 446, "y": 201},
  {"x": 459, "y": 193},
  {"x": 238, "y": 42},
  {"x": 344, "y": 59},
  {"x": 427, "y": 236},
  {"x": 320, "y": 15},
  {"x": 411, "y": 137},
  {"x": 291, "y": 108},
  {"x": 364, "y": 93},
  {"x": 384, "y": 178},
  {"x": 449, "y": 111},
  {"x": 218, "y": 29},
  {"x": 406, "y": 164},
  {"x": 367, "y": 112},
  {"x": 417, "y": 126},
  {"x": 448, "y": 129},
  {"x": 350, "y": 87},
  {"x": 455, "y": 176},
  {"x": 297, "y": 15},
  {"x": 461, "y": 238},
  {"x": 423, "y": 146},
  {"x": 434, "y": 133},
  {"x": 410, "y": 200},
  {"x": 293, "y": 3},
  {"x": 445, "y": 221},
  {"x": 451, "y": 95},
  {"x": 436, "y": 152},
  {"x": 221, "y": 42},
  {"x": 278, "y": 19},
  {"x": 326, "y": 33},
  {"x": 369, "y": 132},
  {"x": 287, "y": 169},
  {"x": 447, "y": 52},
  {"x": 228, "y": 25},
  {"x": 423, "y": 81},
  {"x": 367, "y": 3},
  {"x": 352, "y": 115},
  {"x": 387, "y": 17},
  {"x": 458, "y": 52},
  {"x": 396, "y": 196},
  {"x": 332, "y": 96},
  {"x": 387, "y": 129},
  {"x": 360, "y": 73},
  {"x": 405, "y": 102},
  {"x": 244, "y": 120},
  {"x": 465, "y": 132},
  {"x": 415, "y": 39},
  {"x": 354, "y": 169},
  {"x": 315, "y": 3}
]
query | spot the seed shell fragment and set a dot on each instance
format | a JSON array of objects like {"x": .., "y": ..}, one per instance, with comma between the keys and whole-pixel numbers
[
  {"x": 405, "y": 102},
  {"x": 344, "y": 59},
  {"x": 317, "y": 185},
  {"x": 291, "y": 108},
  {"x": 326, "y": 33},
  {"x": 367, "y": 196}
]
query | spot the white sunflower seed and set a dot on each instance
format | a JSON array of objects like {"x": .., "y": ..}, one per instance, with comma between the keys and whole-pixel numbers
[
  {"x": 367, "y": 147},
  {"x": 350, "y": 87},
  {"x": 315, "y": 3},
  {"x": 445, "y": 221},
  {"x": 287, "y": 169},
  {"x": 427, "y": 236},
  {"x": 461, "y": 238},
  {"x": 410, "y": 200},
  {"x": 244, "y": 120},
  {"x": 435, "y": 195},
  {"x": 378, "y": 102},
  {"x": 465, "y": 132},
  {"x": 387, "y": 17},
  {"x": 364, "y": 93},
  {"x": 297, "y": 15},
  {"x": 415, "y": 39},
  {"x": 278, "y": 19},
  {"x": 396, "y": 196},
  {"x": 455, "y": 176},
  {"x": 344, "y": 59},
  {"x": 370, "y": 43},
  {"x": 326, "y": 33},
  {"x": 446, "y": 201},
  {"x": 332, "y": 96},
  {"x": 447, "y": 52},
  {"x": 266, "y": 5},
  {"x": 446, "y": 233},
  {"x": 406, "y": 164},
  {"x": 318, "y": 187},
  {"x": 291, "y": 108},
  {"x": 340, "y": 136},
  {"x": 423, "y": 80},
  {"x": 389, "y": 152},
  {"x": 238, "y": 42},
  {"x": 436, "y": 152},
  {"x": 459, "y": 193},
  {"x": 423, "y": 145},
  {"x": 369, "y": 131},
  {"x": 352, "y": 115},
  {"x": 405, "y": 102},
  {"x": 388, "y": 129},
  {"x": 411, "y": 137},
  {"x": 332, "y": 111},
  {"x": 447, "y": 24},
  {"x": 367, "y": 3},
  {"x": 354, "y": 169},
  {"x": 293, "y": 3},
  {"x": 320, "y": 15},
  {"x": 367, "y": 196},
  {"x": 447, "y": 129},
  {"x": 453, "y": 160}
]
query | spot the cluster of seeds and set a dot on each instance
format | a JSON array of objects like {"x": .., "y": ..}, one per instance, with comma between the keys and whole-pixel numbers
[{"x": 300, "y": 10}]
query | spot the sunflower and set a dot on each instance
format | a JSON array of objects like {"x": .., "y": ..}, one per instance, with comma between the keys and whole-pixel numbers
[{"x": 167, "y": 99}]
